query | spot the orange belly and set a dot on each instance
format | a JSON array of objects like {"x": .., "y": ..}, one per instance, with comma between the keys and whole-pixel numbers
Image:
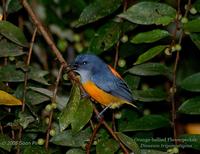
[{"x": 101, "y": 96}]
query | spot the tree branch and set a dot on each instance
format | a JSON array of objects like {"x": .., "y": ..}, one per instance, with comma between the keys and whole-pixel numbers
[{"x": 53, "y": 100}]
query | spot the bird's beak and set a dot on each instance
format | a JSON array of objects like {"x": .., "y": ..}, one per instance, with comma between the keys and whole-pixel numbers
[{"x": 74, "y": 66}]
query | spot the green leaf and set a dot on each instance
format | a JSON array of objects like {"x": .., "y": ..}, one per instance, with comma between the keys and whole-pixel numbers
[
  {"x": 68, "y": 113},
  {"x": 192, "y": 140},
  {"x": 132, "y": 81},
  {"x": 149, "y": 95},
  {"x": 195, "y": 37},
  {"x": 127, "y": 26},
  {"x": 129, "y": 142},
  {"x": 147, "y": 13},
  {"x": 146, "y": 123},
  {"x": 75, "y": 151},
  {"x": 192, "y": 26},
  {"x": 35, "y": 73},
  {"x": 150, "y": 69},
  {"x": 196, "y": 5},
  {"x": 149, "y": 54},
  {"x": 25, "y": 119},
  {"x": 32, "y": 97},
  {"x": 150, "y": 36},
  {"x": 107, "y": 36},
  {"x": 60, "y": 100},
  {"x": 127, "y": 116},
  {"x": 38, "y": 75},
  {"x": 9, "y": 73},
  {"x": 190, "y": 106},
  {"x": 109, "y": 146},
  {"x": 9, "y": 49},
  {"x": 13, "y": 6},
  {"x": 34, "y": 149},
  {"x": 191, "y": 83},
  {"x": 12, "y": 33},
  {"x": 148, "y": 151},
  {"x": 68, "y": 138},
  {"x": 83, "y": 115},
  {"x": 98, "y": 10},
  {"x": 5, "y": 142}
]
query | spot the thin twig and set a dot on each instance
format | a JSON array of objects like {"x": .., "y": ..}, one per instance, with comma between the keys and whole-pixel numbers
[
  {"x": 116, "y": 55},
  {"x": 27, "y": 65},
  {"x": 4, "y": 9},
  {"x": 25, "y": 86},
  {"x": 19, "y": 139},
  {"x": 125, "y": 5},
  {"x": 111, "y": 132},
  {"x": 53, "y": 100},
  {"x": 174, "y": 77},
  {"x": 175, "y": 68},
  {"x": 43, "y": 31},
  {"x": 115, "y": 66},
  {"x": 48, "y": 39},
  {"x": 88, "y": 146},
  {"x": 1, "y": 129}
]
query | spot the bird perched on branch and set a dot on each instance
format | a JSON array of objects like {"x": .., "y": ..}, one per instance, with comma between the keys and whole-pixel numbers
[{"x": 101, "y": 82}]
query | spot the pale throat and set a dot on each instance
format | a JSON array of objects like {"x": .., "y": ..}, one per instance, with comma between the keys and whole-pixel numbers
[{"x": 85, "y": 75}]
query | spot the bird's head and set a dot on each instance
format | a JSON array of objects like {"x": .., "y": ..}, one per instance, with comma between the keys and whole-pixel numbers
[{"x": 87, "y": 64}]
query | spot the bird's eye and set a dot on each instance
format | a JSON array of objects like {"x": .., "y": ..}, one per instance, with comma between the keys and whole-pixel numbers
[{"x": 84, "y": 62}]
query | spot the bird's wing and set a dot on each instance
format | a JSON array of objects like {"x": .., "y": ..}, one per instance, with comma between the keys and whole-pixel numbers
[{"x": 110, "y": 81}]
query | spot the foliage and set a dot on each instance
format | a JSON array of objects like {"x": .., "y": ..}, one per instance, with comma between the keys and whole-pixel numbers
[{"x": 158, "y": 43}]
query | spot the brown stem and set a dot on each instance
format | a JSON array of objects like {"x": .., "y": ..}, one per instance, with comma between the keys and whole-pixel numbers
[
  {"x": 53, "y": 100},
  {"x": 111, "y": 132},
  {"x": 4, "y": 9},
  {"x": 19, "y": 139},
  {"x": 27, "y": 65},
  {"x": 48, "y": 39},
  {"x": 175, "y": 69},
  {"x": 1, "y": 129},
  {"x": 88, "y": 146},
  {"x": 125, "y": 5},
  {"x": 115, "y": 66},
  {"x": 25, "y": 85},
  {"x": 43, "y": 31},
  {"x": 116, "y": 55}
]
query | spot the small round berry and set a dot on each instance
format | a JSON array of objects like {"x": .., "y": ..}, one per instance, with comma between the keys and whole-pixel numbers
[
  {"x": 52, "y": 132},
  {"x": 76, "y": 37},
  {"x": 193, "y": 10},
  {"x": 121, "y": 63},
  {"x": 48, "y": 107},
  {"x": 78, "y": 47},
  {"x": 175, "y": 150},
  {"x": 146, "y": 112},
  {"x": 173, "y": 48},
  {"x": 124, "y": 39},
  {"x": 184, "y": 20},
  {"x": 54, "y": 105},
  {"x": 47, "y": 120},
  {"x": 178, "y": 47},
  {"x": 11, "y": 58},
  {"x": 40, "y": 141},
  {"x": 118, "y": 115},
  {"x": 65, "y": 76},
  {"x": 62, "y": 44},
  {"x": 168, "y": 52}
]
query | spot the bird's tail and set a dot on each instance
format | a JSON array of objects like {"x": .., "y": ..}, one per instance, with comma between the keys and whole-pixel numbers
[{"x": 132, "y": 105}]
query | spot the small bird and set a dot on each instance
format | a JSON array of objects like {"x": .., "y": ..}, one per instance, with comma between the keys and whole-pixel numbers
[{"x": 101, "y": 82}]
